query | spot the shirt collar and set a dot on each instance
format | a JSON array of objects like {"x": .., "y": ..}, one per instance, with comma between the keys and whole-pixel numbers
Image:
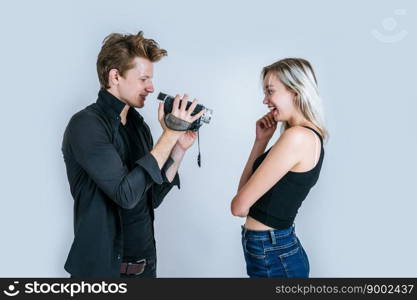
[
  {"x": 111, "y": 102},
  {"x": 114, "y": 106}
]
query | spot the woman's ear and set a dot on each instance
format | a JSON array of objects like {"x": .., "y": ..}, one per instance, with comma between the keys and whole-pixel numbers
[{"x": 296, "y": 99}]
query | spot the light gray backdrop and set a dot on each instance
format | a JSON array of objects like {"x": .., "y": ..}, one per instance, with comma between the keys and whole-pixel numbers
[{"x": 359, "y": 220}]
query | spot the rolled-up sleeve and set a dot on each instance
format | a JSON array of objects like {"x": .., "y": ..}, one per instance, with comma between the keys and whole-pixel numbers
[
  {"x": 91, "y": 147},
  {"x": 149, "y": 163},
  {"x": 159, "y": 191}
]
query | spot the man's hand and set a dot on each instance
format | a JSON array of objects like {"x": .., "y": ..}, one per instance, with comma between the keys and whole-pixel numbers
[
  {"x": 179, "y": 111},
  {"x": 187, "y": 140},
  {"x": 167, "y": 142}
]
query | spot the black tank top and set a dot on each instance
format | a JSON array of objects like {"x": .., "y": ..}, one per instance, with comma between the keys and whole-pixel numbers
[{"x": 278, "y": 207}]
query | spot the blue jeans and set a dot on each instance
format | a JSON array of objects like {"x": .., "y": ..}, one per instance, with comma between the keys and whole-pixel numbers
[{"x": 274, "y": 253}]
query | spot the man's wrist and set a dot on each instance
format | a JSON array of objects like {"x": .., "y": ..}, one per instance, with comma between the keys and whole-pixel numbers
[
  {"x": 177, "y": 153},
  {"x": 172, "y": 134}
]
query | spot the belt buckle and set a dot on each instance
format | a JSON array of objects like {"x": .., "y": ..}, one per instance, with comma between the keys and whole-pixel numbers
[{"x": 139, "y": 262}]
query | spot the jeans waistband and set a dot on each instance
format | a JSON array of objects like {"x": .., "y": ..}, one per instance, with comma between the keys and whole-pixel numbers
[{"x": 272, "y": 234}]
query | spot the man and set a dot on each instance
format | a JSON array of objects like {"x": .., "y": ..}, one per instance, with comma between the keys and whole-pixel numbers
[{"x": 116, "y": 176}]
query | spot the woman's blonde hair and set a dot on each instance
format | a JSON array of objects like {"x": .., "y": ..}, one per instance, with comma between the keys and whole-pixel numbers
[{"x": 298, "y": 76}]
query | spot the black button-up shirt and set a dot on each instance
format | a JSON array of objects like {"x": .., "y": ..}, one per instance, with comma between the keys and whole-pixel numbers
[{"x": 116, "y": 183}]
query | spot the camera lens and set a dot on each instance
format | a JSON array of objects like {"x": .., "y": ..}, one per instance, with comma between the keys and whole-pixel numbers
[{"x": 206, "y": 118}]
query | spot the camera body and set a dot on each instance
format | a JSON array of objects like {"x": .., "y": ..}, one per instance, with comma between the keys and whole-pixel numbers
[{"x": 205, "y": 118}]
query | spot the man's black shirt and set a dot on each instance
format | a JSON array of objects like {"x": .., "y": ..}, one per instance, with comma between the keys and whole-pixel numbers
[
  {"x": 138, "y": 236},
  {"x": 116, "y": 183}
]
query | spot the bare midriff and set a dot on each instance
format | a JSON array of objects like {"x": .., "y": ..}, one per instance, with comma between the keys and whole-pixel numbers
[{"x": 253, "y": 224}]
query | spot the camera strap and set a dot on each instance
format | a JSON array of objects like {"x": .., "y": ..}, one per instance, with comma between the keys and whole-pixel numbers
[
  {"x": 177, "y": 124},
  {"x": 199, "y": 154}
]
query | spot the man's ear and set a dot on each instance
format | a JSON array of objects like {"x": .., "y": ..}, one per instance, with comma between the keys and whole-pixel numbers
[{"x": 114, "y": 77}]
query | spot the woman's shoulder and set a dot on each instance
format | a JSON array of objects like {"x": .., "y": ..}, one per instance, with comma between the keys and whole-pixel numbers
[
  {"x": 297, "y": 140},
  {"x": 295, "y": 136}
]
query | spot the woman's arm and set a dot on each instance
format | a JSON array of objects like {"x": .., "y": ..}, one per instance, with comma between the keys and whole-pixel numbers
[
  {"x": 282, "y": 157},
  {"x": 265, "y": 128},
  {"x": 257, "y": 149}
]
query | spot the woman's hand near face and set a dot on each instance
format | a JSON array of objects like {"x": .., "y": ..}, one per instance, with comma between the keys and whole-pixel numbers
[{"x": 265, "y": 127}]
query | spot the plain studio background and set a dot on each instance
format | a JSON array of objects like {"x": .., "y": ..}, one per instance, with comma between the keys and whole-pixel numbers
[{"x": 359, "y": 220}]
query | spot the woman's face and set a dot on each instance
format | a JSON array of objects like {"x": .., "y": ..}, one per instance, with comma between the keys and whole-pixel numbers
[{"x": 278, "y": 98}]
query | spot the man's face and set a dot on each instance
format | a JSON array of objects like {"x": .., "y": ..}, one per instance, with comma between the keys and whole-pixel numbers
[{"x": 136, "y": 83}]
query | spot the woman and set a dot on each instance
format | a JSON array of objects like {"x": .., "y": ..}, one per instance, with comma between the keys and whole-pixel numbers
[{"x": 274, "y": 183}]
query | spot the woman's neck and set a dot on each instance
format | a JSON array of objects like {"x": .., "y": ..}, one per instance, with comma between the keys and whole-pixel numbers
[{"x": 300, "y": 121}]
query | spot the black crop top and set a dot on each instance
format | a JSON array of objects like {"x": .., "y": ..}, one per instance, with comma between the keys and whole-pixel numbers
[{"x": 278, "y": 207}]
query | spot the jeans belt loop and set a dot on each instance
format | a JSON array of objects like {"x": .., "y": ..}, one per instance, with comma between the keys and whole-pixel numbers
[{"x": 271, "y": 233}]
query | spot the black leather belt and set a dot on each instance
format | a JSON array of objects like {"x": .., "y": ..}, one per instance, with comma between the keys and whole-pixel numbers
[{"x": 133, "y": 268}]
